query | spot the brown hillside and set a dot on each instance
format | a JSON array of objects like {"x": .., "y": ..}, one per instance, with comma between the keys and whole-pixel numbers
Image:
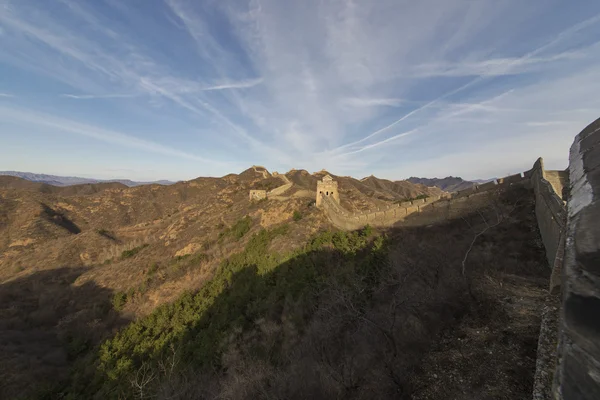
[
  {"x": 402, "y": 189},
  {"x": 11, "y": 182},
  {"x": 149, "y": 242},
  {"x": 77, "y": 265}
]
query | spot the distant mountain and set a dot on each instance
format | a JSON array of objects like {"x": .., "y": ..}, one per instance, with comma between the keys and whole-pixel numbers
[
  {"x": 480, "y": 181},
  {"x": 55, "y": 180},
  {"x": 447, "y": 184}
]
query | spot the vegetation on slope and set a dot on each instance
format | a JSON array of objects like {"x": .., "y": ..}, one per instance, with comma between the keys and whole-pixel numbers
[{"x": 348, "y": 315}]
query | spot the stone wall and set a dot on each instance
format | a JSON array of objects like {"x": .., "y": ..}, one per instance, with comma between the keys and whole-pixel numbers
[
  {"x": 578, "y": 371},
  {"x": 550, "y": 210},
  {"x": 258, "y": 195},
  {"x": 551, "y": 214},
  {"x": 278, "y": 191},
  {"x": 420, "y": 212},
  {"x": 571, "y": 236},
  {"x": 559, "y": 181}
]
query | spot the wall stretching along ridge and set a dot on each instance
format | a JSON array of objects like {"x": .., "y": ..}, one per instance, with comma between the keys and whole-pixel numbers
[
  {"x": 423, "y": 211},
  {"x": 568, "y": 215}
]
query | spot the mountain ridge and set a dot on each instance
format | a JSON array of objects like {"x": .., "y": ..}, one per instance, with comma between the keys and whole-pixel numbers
[
  {"x": 448, "y": 184},
  {"x": 58, "y": 180}
]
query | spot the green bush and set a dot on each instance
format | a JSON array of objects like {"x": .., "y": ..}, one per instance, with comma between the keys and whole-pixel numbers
[
  {"x": 153, "y": 268},
  {"x": 297, "y": 216},
  {"x": 245, "y": 287},
  {"x": 133, "y": 252},
  {"x": 119, "y": 300},
  {"x": 239, "y": 229}
]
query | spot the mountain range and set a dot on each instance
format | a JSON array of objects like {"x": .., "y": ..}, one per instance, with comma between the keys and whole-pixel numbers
[
  {"x": 447, "y": 184},
  {"x": 395, "y": 188},
  {"x": 56, "y": 180},
  {"x": 97, "y": 278}
]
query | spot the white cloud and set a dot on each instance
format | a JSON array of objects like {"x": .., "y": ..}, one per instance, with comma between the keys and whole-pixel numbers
[
  {"x": 28, "y": 117},
  {"x": 100, "y": 96},
  {"x": 372, "y": 102},
  {"x": 234, "y": 85},
  {"x": 494, "y": 67},
  {"x": 335, "y": 84}
]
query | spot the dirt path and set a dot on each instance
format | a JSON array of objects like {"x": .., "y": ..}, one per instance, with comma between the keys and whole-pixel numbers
[{"x": 491, "y": 352}]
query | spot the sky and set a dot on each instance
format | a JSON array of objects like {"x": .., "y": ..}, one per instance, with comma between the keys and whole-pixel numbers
[{"x": 176, "y": 89}]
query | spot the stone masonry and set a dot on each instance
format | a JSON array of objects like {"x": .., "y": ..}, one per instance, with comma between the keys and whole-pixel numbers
[
  {"x": 256, "y": 195},
  {"x": 578, "y": 372},
  {"x": 329, "y": 188}
]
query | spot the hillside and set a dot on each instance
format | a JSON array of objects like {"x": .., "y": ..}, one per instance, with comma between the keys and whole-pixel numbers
[
  {"x": 400, "y": 190},
  {"x": 56, "y": 180},
  {"x": 103, "y": 284},
  {"x": 447, "y": 184}
]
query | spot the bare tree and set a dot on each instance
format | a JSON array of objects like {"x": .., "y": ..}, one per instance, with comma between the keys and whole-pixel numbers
[{"x": 141, "y": 381}]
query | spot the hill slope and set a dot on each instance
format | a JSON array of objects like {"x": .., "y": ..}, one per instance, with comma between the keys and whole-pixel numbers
[{"x": 102, "y": 284}]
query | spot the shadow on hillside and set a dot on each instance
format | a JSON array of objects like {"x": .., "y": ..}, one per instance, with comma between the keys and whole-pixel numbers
[
  {"x": 59, "y": 219},
  {"x": 352, "y": 317},
  {"x": 46, "y": 323},
  {"x": 109, "y": 235}
]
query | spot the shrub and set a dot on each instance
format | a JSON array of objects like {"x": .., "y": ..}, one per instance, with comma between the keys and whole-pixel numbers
[
  {"x": 119, "y": 300},
  {"x": 153, "y": 268},
  {"x": 297, "y": 216},
  {"x": 133, "y": 252},
  {"x": 239, "y": 229}
]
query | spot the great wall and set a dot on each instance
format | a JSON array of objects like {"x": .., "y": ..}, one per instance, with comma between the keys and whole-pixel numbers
[
  {"x": 260, "y": 194},
  {"x": 567, "y": 210}
]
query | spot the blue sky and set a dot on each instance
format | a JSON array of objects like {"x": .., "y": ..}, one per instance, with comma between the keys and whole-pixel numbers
[{"x": 175, "y": 89}]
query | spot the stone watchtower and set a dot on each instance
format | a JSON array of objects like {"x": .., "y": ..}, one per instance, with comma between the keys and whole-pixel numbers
[{"x": 327, "y": 187}]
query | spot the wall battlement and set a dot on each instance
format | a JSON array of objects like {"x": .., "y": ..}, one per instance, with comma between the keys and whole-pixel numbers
[{"x": 416, "y": 212}]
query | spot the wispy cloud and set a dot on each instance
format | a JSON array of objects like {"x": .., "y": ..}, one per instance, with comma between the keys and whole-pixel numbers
[
  {"x": 343, "y": 85},
  {"x": 99, "y": 96},
  {"x": 234, "y": 85},
  {"x": 6, "y": 95},
  {"x": 494, "y": 67},
  {"x": 29, "y": 117},
  {"x": 373, "y": 102}
]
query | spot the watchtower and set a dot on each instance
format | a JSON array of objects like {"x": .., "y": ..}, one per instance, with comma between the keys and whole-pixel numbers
[{"x": 327, "y": 187}]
